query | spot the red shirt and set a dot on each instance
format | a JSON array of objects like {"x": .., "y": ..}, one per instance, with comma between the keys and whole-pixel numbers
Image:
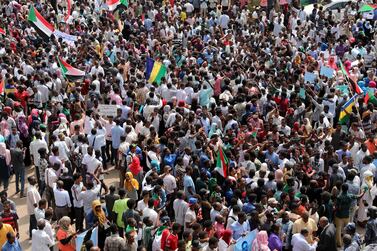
[
  {"x": 172, "y": 242},
  {"x": 164, "y": 237}
]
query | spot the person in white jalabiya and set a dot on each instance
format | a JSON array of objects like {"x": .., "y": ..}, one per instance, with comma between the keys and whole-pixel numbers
[
  {"x": 41, "y": 240},
  {"x": 299, "y": 242}
]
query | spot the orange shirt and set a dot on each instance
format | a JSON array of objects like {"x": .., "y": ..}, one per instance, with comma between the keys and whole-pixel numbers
[
  {"x": 60, "y": 235},
  {"x": 371, "y": 145}
]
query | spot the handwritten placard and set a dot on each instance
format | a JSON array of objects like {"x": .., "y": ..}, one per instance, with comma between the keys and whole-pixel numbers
[{"x": 107, "y": 110}]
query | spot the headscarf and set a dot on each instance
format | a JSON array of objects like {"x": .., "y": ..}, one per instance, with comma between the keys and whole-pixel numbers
[
  {"x": 4, "y": 126},
  {"x": 8, "y": 110},
  {"x": 34, "y": 113},
  {"x": 214, "y": 130},
  {"x": 65, "y": 225},
  {"x": 5, "y": 152},
  {"x": 261, "y": 242},
  {"x": 308, "y": 127},
  {"x": 135, "y": 166},
  {"x": 101, "y": 214},
  {"x": 3, "y": 149},
  {"x": 132, "y": 183},
  {"x": 296, "y": 126},
  {"x": 22, "y": 126},
  {"x": 332, "y": 63},
  {"x": 227, "y": 236},
  {"x": 347, "y": 66}
]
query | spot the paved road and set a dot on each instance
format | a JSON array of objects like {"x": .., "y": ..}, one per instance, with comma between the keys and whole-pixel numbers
[{"x": 111, "y": 179}]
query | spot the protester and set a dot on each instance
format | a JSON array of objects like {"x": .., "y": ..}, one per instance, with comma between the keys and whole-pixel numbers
[
  {"x": 65, "y": 235},
  {"x": 41, "y": 240},
  {"x": 32, "y": 199},
  {"x": 12, "y": 243},
  {"x": 4, "y": 230},
  {"x": 246, "y": 117}
]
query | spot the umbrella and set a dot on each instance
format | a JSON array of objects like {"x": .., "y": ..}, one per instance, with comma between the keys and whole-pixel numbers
[{"x": 367, "y": 7}]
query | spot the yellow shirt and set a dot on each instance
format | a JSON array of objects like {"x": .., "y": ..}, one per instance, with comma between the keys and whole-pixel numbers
[
  {"x": 183, "y": 16},
  {"x": 3, "y": 233},
  {"x": 310, "y": 225}
]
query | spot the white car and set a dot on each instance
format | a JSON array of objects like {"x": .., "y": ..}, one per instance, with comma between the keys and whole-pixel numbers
[{"x": 335, "y": 4}]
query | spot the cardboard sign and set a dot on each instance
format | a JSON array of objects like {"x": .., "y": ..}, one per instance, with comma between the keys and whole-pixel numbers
[
  {"x": 108, "y": 110},
  {"x": 327, "y": 72}
]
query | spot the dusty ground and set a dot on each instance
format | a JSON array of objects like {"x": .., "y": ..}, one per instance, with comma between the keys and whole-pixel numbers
[{"x": 112, "y": 178}]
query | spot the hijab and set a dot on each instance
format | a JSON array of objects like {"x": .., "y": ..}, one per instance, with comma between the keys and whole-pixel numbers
[
  {"x": 65, "y": 225},
  {"x": 34, "y": 113},
  {"x": 99, "y": 214},
  {"x": 3, "y": 149},
  {"x": 227, "y": 236},
  {"x": 131, "y": 183},
  {"x": 22, "y": 126},
  {"x": 261, "y": 242},
  {"x": 214, "y": 130},
  {"x": 332, "y": 63},
  {"x": 135, "y": 166},
  {"x": 4, "y": 126}
]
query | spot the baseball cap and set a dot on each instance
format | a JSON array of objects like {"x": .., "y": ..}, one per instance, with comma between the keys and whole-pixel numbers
[{"x": 192, "y": 201}]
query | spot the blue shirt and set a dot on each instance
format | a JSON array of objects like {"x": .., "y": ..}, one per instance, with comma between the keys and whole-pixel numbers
[
  {"x": 272, "y": 156},
  {"x": 188, "y": 182},
  {"x": 15, "y": 246},
  {"x": 116, "y": 132},
  {"x": 91, "y": 218}
]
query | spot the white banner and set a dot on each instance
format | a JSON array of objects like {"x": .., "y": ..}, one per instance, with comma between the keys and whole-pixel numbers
[
  {"x": 108, "y": 110},
  {"x": 69, "y": 39}
]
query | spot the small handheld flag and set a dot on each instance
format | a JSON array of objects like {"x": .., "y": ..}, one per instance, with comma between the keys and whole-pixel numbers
[{"x": 154, "y": 71}]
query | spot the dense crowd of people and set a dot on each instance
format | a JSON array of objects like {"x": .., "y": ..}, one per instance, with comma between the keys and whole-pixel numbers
[{"x": 243, "y": 134}]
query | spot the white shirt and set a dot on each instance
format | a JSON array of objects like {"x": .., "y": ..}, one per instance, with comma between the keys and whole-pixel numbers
[
  {"x": 180, "y": 209},
  {"x": 299, "y": 243},
  {"x": 63, "y": 150},
  {"x": 359, "y": 158},
  {"x": 49, "y": 230},
  {"x": 50, "y": 177},
  {"x": 170, "y": 184},
  {"x": 189, "y": 217},
  {"x": 39, "y": 213},
  {"x": 76, "y": 190},
  {"x": 41, "y": 241},
  {"x": 238, "y": 229},
  {"x": 88, "y": 125},
  {"x": 141, "y": 205},
  {"x": 44, "y": 92},
  {"x": 35, "y": 145},
  {"x": 32, "y": 197},
  {"x": 152, "y": 214},
  {"x": 97, "y": 141},
  {"x": 88, "y": 196},
  {"x": 61, "y": 198},
  {"x": 91, "y": 163}
]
